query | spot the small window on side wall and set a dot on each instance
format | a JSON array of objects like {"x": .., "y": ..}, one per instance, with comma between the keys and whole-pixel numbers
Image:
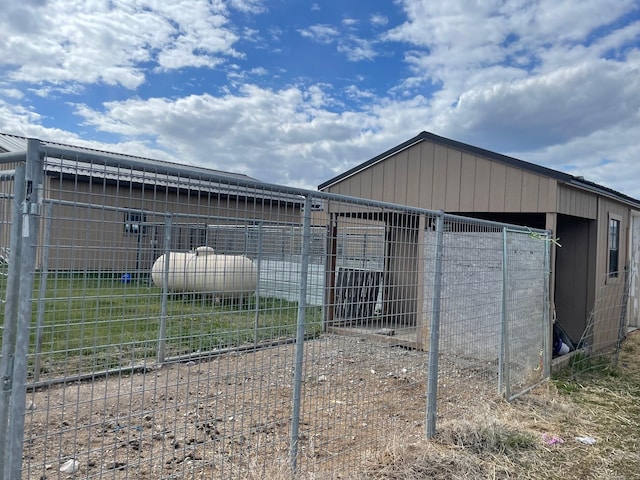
[
  {"x": 134, "y": 223},
  {"x": 614, "y": 247}
]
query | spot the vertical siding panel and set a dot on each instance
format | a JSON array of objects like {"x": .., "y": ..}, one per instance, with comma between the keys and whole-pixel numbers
[
  {"x": 452, "y": 190},
  {"x": 483, "y": 185},
  {"x": 497, "y": 187},
  {"x": 355, "y": 186},
  {"x": 365, "y": 183},
  {"x": 389, "y": 174},
  {"x": 530, "y": 192},
  {"x": 439, "y": 177},
  {"x": 413, "y": 176},
  {"x": 467, "y": 182},
  {"x": 543, "y": 196},
  {"x": 553, "y": 195},
  {"x": 400, "y": 163},
  {"x": 426, "y": 175},
  {"x": 513, "y": 190},
  {"x": 377, "y": 182}
]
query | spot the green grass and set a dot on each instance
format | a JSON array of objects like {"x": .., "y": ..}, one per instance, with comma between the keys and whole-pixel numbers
[{"x": 93, "y": 322}]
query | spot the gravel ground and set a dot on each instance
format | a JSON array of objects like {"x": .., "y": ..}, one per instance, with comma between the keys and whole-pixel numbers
[{"x": 229, "y": 416}]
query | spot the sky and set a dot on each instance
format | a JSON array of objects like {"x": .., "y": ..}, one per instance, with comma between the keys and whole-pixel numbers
[{"x": 295, "y": 92}]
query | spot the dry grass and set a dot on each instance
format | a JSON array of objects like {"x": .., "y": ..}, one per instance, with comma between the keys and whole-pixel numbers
[{"x": 535, "y": 437}]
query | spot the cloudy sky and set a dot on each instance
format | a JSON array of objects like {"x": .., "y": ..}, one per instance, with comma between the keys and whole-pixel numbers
[{"x": 295, "y": 92}]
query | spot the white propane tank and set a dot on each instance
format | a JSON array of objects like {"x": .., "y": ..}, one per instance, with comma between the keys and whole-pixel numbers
[{"x": 202, "y": 271}]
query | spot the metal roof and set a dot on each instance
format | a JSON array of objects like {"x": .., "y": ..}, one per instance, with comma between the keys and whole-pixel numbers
[
  {"x": 575, "y": 181},
  {"x": 15, "y": 143},
  {"x": 74, "y": 160}
]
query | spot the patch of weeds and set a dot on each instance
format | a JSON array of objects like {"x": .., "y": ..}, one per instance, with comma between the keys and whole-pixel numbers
[
  {"x": 487, "y": 439},
  {"x": 566, "y": 387}
]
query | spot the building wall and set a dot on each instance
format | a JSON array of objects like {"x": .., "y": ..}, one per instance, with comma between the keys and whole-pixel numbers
[
  {"x": 577, "y": 202},
  {"x": 88, "y": 230},
  {"x": 436, "y": 177},
  {"x": 609, "y": 290}
]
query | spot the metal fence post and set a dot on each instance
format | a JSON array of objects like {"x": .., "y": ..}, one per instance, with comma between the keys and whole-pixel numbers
[
  {"x": 31, "y": 211},
  {"x": 11, "y": 315},
  {"x": 42, "y": 292},
  {"x": 162, "y": 330},
  {"x": 503, "y": 359},
  {"x": 546, "y": 353},
  {"x": 299, "y": 348},
  {"x": 434, "y": 334}
]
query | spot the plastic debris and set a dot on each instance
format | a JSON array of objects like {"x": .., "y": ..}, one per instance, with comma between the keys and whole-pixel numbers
[
  {"x": 70, "y": 466},
  {"x": 549, "y": 439},
  {"x": 586, "y": 440}
]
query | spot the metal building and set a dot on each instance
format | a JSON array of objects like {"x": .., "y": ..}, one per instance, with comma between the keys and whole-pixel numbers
[{"x": 204, "y": 205}]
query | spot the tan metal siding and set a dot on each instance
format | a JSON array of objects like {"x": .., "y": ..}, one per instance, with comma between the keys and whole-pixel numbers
[
  {"x": 452, "y": 194},
  {"x": 530, "y": 192},
  {"x": 427, "y": 152},
  {"x": 513, "y": 190},
  {"x": 400, "y": 178},
  {"x": 576, "y": 202},
  {"x": 439, "y": 178},
  {"x": 389, "y": 180},
  {"x": 482, "y": 185},
  {"x": 497, "y": 187},
  {"x": 366, "y": 180},
  {"x": 413, "y": 178},
  {"x": 547, "y": 188},
  {"x": 467, "y": 182},
  {"x": 86, "y": 236},
  {"x": 377, "y": 182}
]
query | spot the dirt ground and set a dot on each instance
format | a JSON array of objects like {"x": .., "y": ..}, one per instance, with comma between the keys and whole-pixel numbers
[
  {"x": 229, "y": 416},
  {"x": 362, "y": 416}
]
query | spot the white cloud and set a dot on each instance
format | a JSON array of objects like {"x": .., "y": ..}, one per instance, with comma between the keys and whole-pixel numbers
[
  {"x": 324, "y": 34},
  {"x": 357, "y": 49},
  {"x": 114, "y": 42},
  {"x": 548, "y": 109},
  {"x": 379, "y": 20},
  {"x": 551, "y": 82},
  {"x": 285, "y": 136}
]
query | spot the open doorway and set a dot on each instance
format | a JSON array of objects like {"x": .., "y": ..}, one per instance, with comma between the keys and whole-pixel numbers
[{"x": 575, "y": 270}]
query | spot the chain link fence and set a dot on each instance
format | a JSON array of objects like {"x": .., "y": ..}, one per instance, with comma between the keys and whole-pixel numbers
[{"x": 163, "y": 321}]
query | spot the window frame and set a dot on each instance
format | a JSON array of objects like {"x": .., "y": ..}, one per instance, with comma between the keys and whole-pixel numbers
[
  {"x": 135, "y": 223},
  {"x": 613, "y": 251}
]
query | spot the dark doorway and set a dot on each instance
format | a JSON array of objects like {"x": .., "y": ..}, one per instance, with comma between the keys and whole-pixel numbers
[{"x": 575, "y": 274}]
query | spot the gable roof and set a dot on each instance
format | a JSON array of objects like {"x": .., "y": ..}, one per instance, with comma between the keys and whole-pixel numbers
[{"x": 566, "y": 178}]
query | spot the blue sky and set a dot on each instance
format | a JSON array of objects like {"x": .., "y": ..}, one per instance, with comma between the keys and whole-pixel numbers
[{"x": 295, "y": 92}]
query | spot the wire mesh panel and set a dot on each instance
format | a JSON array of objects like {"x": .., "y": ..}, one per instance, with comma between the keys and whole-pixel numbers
[
  {"x": 491, "y": 298},
  {"x": 470, "y": 290},
  {"x": 606, "y": 328},
  {"x": 526, "y": 311},
  {"x": 185, "y": 323}
]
